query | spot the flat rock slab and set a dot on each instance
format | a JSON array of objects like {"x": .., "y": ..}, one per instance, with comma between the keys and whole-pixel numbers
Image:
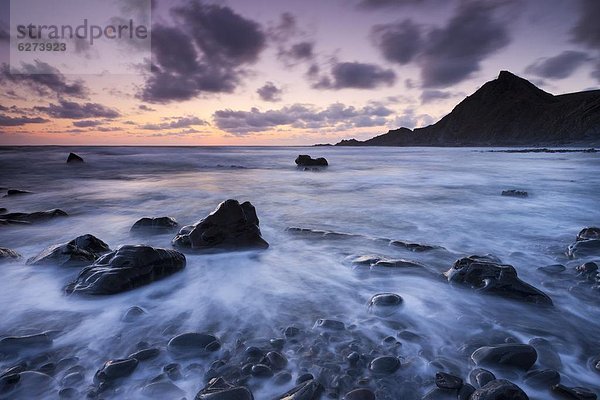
[
  {"x": 30, "y": 218},
  {"x": 125, "y": 269}
]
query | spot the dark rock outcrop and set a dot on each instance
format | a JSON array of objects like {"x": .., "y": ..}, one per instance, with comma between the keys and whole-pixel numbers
[
  {"x": 304, "y": 160},
  {"x": 193, "y": 343},
  {"x": 81, "y": 251},
  {"x": 231, "y": 226},
  {"x": 515, "y": 193},
  {"x": 8, "y": 255},
  {"x": 587, "y": 243},
  {"x": 507, "y": 111},
  {"x": 588, "y": 234},
  {"x": 308, "y": 390},
  {"x": 155, "y": 225},
  {"x": 74, "y": 158},
  {"x": 127, "y": 268},
  {"x": 576, "y": 393},
  {"x": 487, "y": 275},
  {"x": 521, "y": 356},
  {"x": 30, "y": 218},
  {"x": 499, "y": 389},
  {"x": 220, "y": 389},
  {"x": 16, "y": 192},
  {"x": 115, "y": 369}
]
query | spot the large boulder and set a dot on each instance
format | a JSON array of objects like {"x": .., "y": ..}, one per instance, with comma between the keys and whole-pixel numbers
[
  {"x": 30, "y": 218},
  {"x": 587, "y": 243},
  {"x": 8, "y": 255},
  {"x": 521, "y": 356},
  {"x": 231, "y": 226},
  {"x": 155, "y": 225},
  {"x": 125, "y": 269},
  {"x": 81, "y": 251},
  {"x": 485, "y": 274},
  {"x": 304, "y": 160},
  {"x": 74, "y": 158},
  {"x": 220, "y": 389},
  {"x": 499, "y": 389}
]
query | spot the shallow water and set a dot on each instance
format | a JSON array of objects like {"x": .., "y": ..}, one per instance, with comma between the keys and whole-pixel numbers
[{"x": 444, "y": 197}]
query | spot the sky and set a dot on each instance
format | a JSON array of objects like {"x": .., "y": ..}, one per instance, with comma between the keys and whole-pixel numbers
[{"x": 296, "y": 72}]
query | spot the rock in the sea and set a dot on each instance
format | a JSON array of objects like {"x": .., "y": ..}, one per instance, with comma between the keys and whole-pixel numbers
[
  {"x": 74, "y": 158},
  {"x": 584, "y": 248},
  {"x": 385, "y": 304},
  {"x": 486, "y": 275},
  {"x": 587, "y": 269},
  {"x": 3, "y": 210},
  {"x": 375, "y": 262},
  {"x": 8, "y": 255},
  {"x": 14, "y": 344},
  {"x": 448, "y": 381},
  {"x": 575, "y": 393},
  {"x": 193, "y": 343},
  {"x": 231, "y": 226},
  {"x": 384, "y": 365},
  {"x": 330, "y": 324},
  {"x": 127, "y": 268},
  {"x": 588, "y": 234},
  {"x": 360, "y": 394},
  {"x": 304, "y": 160},
  {"x": 499, "y": 389},
  {"x": 30, "y": 218},
  {"x": 542, "y": 378},
  {"x": 155, "y": 225},
  {"x": 163, "y": 390},
  {"x": 521, "y": 356},
  {"x": 81, "y": 251},
  {"x": 220, "y": 389},
  {"x": 308, "y": 390},
  {"x": 16, "y": 192},
  {"x": 115, "y": 369},
  {"x": 552, "y": 269},
  {"x": 515, "y": 193}
]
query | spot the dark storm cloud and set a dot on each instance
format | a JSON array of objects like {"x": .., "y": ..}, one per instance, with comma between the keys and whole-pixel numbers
[
  {"x": 205, "y": 53},
  {"x": 300, "y": 116},
  {"x": 297, "y": 52},
  {"x": 6, "y": 120},
  {"x": 429, "y": 96},
  {"x": 399, "y": 42},
  {"x": 44, "y": 80},
  {"x": 560, "y": 66},
  {"x": 269, "y": 92},
  {"x": 178, "y": 122},
  {"x": 72, "y": 110},
  {"x": 86, "y": 123},
  {"x": 587, "y": 29},
  {"x": 356, "y": 75}
]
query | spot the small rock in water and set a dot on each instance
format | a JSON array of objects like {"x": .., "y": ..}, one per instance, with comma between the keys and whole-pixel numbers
[
  {"x": 232, "y": 226},
  {"x": 261, "y": 371},
  {"x": 12, "y": 344},
  {"x": 584, "y": 248},
  {"x": 8, "y": 255},
  {"x": 193, "y": 343},
  {"x": 115, "y": 369},
  {"x": 81, "y": 251},
  {"x": 330, "y": 324},
  {"x": 308, "y": 390},
  {"x": 155, "y": 225},
  {"x": 488, "y": 276},
  {"x": 220, "y": 389},
  {"x": 499, "y": 389},
  {"x": 163, "y": 390},
  {"x": 276, "y": 360},
  {"x": 360, "y": 394},
  {"x": 588, "y": 234},
  {"x": 515, "y": 193},
  {"x": 547, "y": 356},
  {"x": 304, "y": 160},
  {"x": 74, "y": 158},
  {"x": 145, "y": 354},
  {"x": 521, "y": 356},
  {"x": 281, "y": 378},
  {"x": 465, "y": 392},
  {"x": 542, "y": 378},
  {"x": 133, "y": 313},
  {"x": 576, "y": 393},
  {"x": 3, "y": 210},
  {"x": 127, "y": 268},
  {"x": 385, "y": 365},
  {"x": 447, "y": 381},
  {"x": 553, "y": 269},
  {"x": 385, "y": 304},
  {"x": 16, "y": 192},
  {"x": 589, "y": 268},
  {"x": 30, "y": 218}
]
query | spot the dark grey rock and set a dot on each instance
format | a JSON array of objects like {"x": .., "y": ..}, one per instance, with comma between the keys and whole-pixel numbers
[
  {"x": 548, "y": 357},
  {"x": 587, "y": 269},
  {"x": 515, "y": 193},
  {"x": 480, "y": 377},
  {"x": 261, "y": 371},
  {"x": 576, "y": 393},
  {"x": 488, "y": 276},
  {"x": 193, "y": 343},
  {"x": 231, "y": 226},
  {"x": 30, "y": 218},
  {"x": 499, "y": 389},
  {"x": 276, "y": 360},
  {"x": 81, "y": 251},
  {"x": 219, "y": 389},
  {"x": 448, "y": 381},
  {"x": 360, "y": 394},
  {"x": 155, "y": 225},
  {"x": 308, "y": 390},
  {"x": 282, "y": 377},
  {"x": 384, "y": 304},
  {"x": 584, "y": 248},
  {"x": 521, "y": 356},
  {"x": 133, "y": 314},
  {"x": 304, "y": 160},
  {"x": 553, "y": 269},
  {"x": 12, "y": 344},
  {"x": 16, "y": 192},
  {"x": 330, "y": 324},
  {"x": 384, "y": 365},
  {"x": 376, "y": 262},
  {"x": 163, "y": 390},
  {"x": 74, "y": 158},
  {"x": 465, "y": 392},
  {"x": 115, "y": 369},
  {"x": 145, "y": 354},
  {"x": 8, "y": 255},
  {"x": 127, "y": 268},
  {"x": 588, "y": 234},
  {"x": 542, "y": 378}
]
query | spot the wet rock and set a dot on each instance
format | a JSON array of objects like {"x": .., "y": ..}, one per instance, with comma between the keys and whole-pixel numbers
[
  {"x": 231, "y": 226},
  {"x": 155, "y": 225},
  {"x": 584, "y": 248},
  {"x": 576, "y": 393},
  {"x": 282, "y": 377},
  {"x": 447, "y": 381},
  {"x": 499, "y": 389},
  {"x": 376, "y": 262},
  {"x": 276, "y": 360},
  {"x": 304, "y": 378},
  {"x": 360, "y": 394},
  {"x": 127, "y": 268},
  {"x": 30, "y": 218},
  {"x": 27, "y": 385},
  {"x": 553, "y": 269},
  {"x": 16, "y": 192},
  {"x": 8, "y": 382},
  {"x": 163, "y": 390},
  {"x": 193, "y": 343},
  {"x": 291, "y": 331},
  {"x": 384, "y": 304},
  {"x": 173, "y": 371},
  {"x": 330, "y": 324},
  {"x": 8, "y": 255},
  {"x": 587, "y": 269},
  {"x": 515, "y": 193},
  {"x": 13, "y": 344},
  {"x": 542, "y": 378},
  {"x": 304, "y": 160},
  {"x": 261, "y": 371},
  {"x": 309, "y": 390},
  {"x": 3, "y": 210},
  {"x": 384, "y": 365},
  {"x": 145, "y": 354},
  {"x": 588, "y": 234},
  {"x": 72, "y": 379},
  {"x": 465, "y": 392},
  {"x": 69, "y": 393},
  {"x": 74, "y": 158},
  {"x": 480, "y": 377},
  {"x": 115, "y": 369},
  {"x": 488, "y": 276},
  {"x": 547, "y": 355},
  {"x": 440, "y": 394},
  {"x": 133, "y": 314},
  {"x": 416, "y": 247},
  {"x": 219, "y": 389},
  {"x": 520, "y": 356},
  {"x": 81, "y": 251}
]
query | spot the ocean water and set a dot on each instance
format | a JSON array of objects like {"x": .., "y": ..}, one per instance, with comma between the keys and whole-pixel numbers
[{"x": 444, "y": 197}]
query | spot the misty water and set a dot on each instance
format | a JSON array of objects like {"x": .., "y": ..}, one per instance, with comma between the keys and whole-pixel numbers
[{"x": 443, "y": 197}]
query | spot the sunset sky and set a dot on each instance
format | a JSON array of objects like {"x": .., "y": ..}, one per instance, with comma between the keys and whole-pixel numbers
[{"x": 293, "y": 72}]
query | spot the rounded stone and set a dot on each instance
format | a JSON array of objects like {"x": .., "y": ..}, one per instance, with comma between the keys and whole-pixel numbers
[
  {"x": 384, "y": 365},
  {"x": 360, "y": 394}
]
